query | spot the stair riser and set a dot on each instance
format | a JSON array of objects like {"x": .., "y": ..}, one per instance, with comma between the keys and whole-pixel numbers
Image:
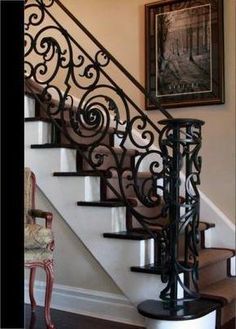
[
  {"x": 108, "y": 161},
  {"x": 212, "y": 273},
  {"x": 37, "y": 132},
  {"x": 51, "y": 159},
  {"x": 29, "y": 107},
  {"x": 232, "y": 266},
  {"x": 128, "y": 189},
  {"x": 228, "y": 312},
  {"x": 61, "y": 139}
]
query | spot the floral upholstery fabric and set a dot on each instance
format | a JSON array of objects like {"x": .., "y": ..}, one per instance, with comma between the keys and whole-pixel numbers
[
  {"x": 37, "y": 236},
  {"x": 38, "y": 255}
]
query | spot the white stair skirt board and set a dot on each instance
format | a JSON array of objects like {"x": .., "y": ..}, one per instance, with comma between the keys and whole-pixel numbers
[
  {"x": 206, "y": 322},
  {"x": 107, "y": 306}
]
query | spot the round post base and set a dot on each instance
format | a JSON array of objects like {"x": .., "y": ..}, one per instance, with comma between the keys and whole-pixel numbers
[{"x": 198, "y": 314}]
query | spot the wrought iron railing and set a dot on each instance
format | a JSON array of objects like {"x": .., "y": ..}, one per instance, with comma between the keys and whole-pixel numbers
[{"x": 59, "y": 63}]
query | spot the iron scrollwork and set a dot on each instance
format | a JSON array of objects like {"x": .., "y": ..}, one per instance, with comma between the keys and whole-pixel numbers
[
  {"x": 180, "y": 141},
  {"x": 62, "y": 67}
]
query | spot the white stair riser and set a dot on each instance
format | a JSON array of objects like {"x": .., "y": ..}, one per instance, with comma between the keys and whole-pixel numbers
[
  {"x": 51, "y": 160},
  {"x": 29, "y": 107},
  {"x": 233, "y": 266},
  {"x": 37, "y": 132}
]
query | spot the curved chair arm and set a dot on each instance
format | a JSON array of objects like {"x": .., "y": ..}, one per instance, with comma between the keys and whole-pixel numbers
[{"x": 42, "y": 214}]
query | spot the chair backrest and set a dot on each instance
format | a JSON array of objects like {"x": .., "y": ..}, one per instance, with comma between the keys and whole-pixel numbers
[{"x": 29, "y": 195}]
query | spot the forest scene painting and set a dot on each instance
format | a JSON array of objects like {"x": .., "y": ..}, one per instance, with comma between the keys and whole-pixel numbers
[
  {"x": 184, "y": 53},
  {"x": 183, "y": 48}
]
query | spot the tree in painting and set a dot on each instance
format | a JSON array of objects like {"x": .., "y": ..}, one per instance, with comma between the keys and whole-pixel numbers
[{"x": 183, "y": 51}]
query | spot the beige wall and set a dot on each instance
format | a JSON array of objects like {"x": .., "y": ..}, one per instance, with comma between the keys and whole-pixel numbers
[
  {"x": 119, "y": 26},
  {"x": 74, "y": 265}
]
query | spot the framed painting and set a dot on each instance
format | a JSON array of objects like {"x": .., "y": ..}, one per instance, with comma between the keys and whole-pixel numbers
[{"x": 184, "y": 52}]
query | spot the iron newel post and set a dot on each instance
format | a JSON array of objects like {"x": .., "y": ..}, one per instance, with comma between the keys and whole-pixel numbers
[{"x": 180, "y": 142}]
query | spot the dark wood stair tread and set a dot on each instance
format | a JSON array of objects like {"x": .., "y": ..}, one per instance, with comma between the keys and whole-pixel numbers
[
  {"x": 101, "y": 203},
  {"x": 52, "y": 146},
  {"x": 126, "y": 235},
  {"x": 156, "y": 309},
  {"x": 35, "y": 119},
  {"x": 84, "y": 173},
  {"x": 148, "y": 268},
  {"x": 102, "y": 148},
  {"x": 224, "y": 290}
]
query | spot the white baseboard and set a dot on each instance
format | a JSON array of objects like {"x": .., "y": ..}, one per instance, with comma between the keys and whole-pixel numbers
[{"x": 103, "y": 305}]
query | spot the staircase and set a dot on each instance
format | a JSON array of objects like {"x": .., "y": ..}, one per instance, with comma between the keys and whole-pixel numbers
[
  {"x": 55, "y": 167},
  {"x": 105, "y": 175}
]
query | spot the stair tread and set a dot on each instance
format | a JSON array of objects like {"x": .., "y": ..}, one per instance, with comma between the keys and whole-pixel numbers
[
  {"x": 80, "y": 174},
  {"x": 148, "y": 268},
  {"x": 35, "y": 119},
  {"x": 156, "y": 309},
  {"x": 109, "y": 203},
  {"x": 206, "y": 257},
  {"x": 51, "y": 146},
  {"x": 223, "y": 289},
  {"x": 210, "y": 256},
  {"x": 127, "y": 235},
  {"x": 101, "y": 148},
  {"x": 203, "y": 226}
]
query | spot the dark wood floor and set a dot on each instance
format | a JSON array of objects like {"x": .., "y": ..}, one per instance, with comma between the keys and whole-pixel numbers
[{"x": 66, "y": 320}]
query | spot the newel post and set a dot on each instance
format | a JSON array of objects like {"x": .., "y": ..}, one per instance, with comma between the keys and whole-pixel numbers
[{"x": 180, "y": 142}]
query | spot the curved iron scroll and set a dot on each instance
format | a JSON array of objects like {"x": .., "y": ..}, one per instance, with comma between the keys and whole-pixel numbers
[{"x": 61, "y": 65}]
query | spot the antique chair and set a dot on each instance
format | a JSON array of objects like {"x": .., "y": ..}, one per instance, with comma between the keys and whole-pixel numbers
[{"x": 39, "y": 244}]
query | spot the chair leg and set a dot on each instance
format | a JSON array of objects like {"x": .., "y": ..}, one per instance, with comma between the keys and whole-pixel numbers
[
  {"x": 31, "y": 288},
  {"x": 48, "y": 293}
]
